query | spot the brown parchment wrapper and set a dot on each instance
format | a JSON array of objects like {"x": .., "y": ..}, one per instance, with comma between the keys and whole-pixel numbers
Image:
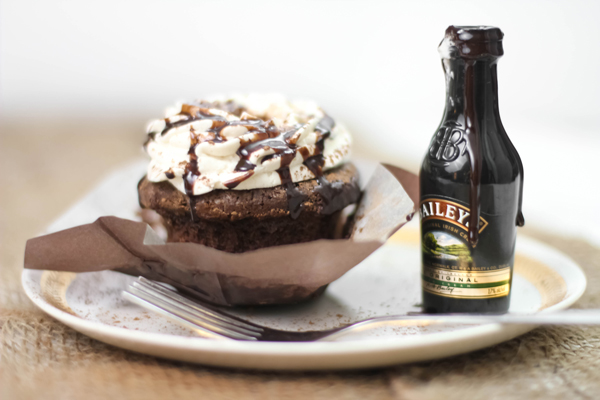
[{"x": 273, "y": 275}]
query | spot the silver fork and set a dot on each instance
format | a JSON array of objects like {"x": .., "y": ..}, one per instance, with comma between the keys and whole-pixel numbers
[{"x": 218, "y": 324}]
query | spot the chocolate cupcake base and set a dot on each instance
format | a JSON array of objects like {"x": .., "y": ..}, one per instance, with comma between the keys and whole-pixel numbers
[
  {"x": 251, "y": 234},
  {"x": 237, "y": 221},
  {"x": 242, "y": 220}
]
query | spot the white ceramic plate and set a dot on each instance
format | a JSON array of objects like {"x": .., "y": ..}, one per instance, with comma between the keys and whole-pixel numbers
[{"x": 386, "y": 283}]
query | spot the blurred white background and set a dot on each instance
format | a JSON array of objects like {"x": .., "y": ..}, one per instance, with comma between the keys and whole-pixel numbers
[{"x": 371, "y": 64}]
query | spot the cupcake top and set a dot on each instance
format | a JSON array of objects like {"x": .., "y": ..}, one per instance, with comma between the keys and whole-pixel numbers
[{"x": 244, "y": 142}]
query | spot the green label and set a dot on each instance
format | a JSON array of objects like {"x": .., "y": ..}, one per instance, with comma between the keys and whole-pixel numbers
[{"x": 448, "y": 266}]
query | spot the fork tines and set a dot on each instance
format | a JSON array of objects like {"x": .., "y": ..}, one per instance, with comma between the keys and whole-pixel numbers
[{"x": 171, "y": 304}]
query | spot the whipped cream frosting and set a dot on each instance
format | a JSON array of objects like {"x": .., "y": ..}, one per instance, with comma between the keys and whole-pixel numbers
[{"x": 244, "y": 142}]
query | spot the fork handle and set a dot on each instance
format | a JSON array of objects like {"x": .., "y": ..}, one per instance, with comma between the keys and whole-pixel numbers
[{"x": 571, "y": 317}]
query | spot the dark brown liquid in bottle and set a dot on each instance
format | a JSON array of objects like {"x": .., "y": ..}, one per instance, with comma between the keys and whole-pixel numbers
[{"x": 471, "y": 184}]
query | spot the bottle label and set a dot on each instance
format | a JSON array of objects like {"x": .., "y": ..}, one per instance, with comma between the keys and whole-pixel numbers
[{"x": 448, "y": 266}]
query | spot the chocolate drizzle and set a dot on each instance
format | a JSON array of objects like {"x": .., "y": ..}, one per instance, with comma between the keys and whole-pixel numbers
[
  {"x": 191, "y": 173},
  {"x": 328, "y": 191},
  {"x": 479, "y": 47},
  {"x": 295, "y": 197},
  {"x": 473, "y": 149},
  {"x": 264, "y": 135}
]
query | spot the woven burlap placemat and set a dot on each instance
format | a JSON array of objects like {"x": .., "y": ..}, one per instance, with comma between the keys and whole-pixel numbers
[{"x": 41, "y": 358}]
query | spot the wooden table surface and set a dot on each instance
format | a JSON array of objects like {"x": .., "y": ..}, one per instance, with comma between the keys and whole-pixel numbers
[{"x": 47, "y": 166}]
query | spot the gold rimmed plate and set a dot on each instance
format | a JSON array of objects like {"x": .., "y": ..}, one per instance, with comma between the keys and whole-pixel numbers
[{"x": 388, "y": 282}]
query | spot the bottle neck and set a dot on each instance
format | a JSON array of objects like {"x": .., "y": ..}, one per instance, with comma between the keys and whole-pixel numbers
[{"x": 472, "y": 92}]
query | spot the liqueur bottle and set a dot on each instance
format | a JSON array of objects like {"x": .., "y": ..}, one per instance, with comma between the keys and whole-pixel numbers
[{"x": 471, "y": 183}]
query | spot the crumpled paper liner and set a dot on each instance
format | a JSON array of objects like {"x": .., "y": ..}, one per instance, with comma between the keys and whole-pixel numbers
[{"x": 273, "y": 275}]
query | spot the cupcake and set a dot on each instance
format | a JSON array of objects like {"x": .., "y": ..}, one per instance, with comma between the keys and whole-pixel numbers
[{"x": 247, "y": 172}]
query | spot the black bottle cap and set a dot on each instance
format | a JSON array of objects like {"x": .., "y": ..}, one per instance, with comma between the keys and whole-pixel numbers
[{"x": 471, "y": 42}]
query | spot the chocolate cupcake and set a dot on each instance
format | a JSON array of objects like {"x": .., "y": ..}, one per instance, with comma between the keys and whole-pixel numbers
[{"x": 249, "y": 172}]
